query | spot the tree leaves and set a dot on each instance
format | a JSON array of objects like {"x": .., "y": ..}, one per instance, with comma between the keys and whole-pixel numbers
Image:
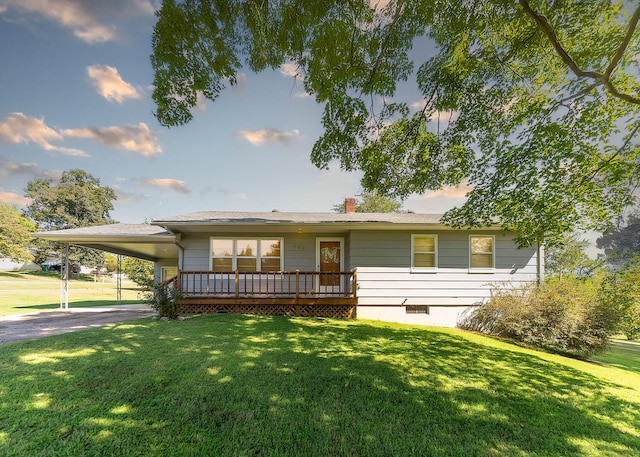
[
  {"x": 78, "y": 200},
  {"x": 15, "y": 234},
  {"x": 544, "y": 95}
]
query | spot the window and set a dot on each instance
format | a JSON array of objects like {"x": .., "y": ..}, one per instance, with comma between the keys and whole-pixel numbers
[
  {"x": 481, "y": 255},
  {"x": 245, "y": 254},
  {"x": 424, "y": 252},
  {"x": 168, "y": 273},
  {"x": 222, "y": 255}
]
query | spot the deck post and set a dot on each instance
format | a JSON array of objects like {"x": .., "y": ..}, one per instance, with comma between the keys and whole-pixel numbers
[
  {"x": 237, "y": 284},
  {"x": 354, "y": 284},
  {"x": 297, "y": 292}
]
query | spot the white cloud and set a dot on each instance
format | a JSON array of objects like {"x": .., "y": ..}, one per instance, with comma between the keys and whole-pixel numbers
[
  {"x": 123, "y": 196},
  {"x": 110, "y": 85},
  {"x": 378, "y": 5},
  {"x": 14, "y": 199},
  {"x": 201, "y": 102},
  {"x": 12, "y": 169},
  {"x": 451, "y": 192},
  {"x": 259, "y": 137},
  {"x": 441, "y": 116},
  {"x": 291, "y": 69},
  {"x": 54, "y": 175},
  {"x": 20, "y": 129},
  {"x": 135, "y": 138},
  {"x": 241, "y": 82},
  {"x": 167, "y": 183},
  {"x": 86, "y": 18}
]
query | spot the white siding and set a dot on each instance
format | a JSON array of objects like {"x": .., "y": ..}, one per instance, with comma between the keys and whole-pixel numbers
[
  {"x": 440, "y": 316},
  {"x": 386, "y": 283}
]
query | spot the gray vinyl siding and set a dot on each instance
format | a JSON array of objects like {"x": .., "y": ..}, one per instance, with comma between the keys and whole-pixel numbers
[
  {"x": 299, "y": 249},
  {"x": 157, "y": 266},
  {"x": 196, "y": 252},
  {"x": 383, "y": 261}
]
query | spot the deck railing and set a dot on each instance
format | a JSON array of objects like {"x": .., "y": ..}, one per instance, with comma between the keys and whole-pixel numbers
[{"x": 298, "y": 284}]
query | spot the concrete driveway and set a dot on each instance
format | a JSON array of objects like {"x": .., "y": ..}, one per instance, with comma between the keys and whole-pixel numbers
[{"x": 20, "y": 327}]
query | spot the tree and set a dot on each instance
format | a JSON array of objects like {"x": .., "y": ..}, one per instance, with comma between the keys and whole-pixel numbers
[
  {"x": 78, "y": 200},
  {"x": 621, "y": 244},
  {"x": 535, "y": 105},
  {"x": 15, "y": 234},
  {"x": 111, "y": 263},
  {"x": 568, "y": 258},
  {"x": 139, "y": 271},
  {"x": 372, "y": 202},
  {"x": 621, "y": 291}
]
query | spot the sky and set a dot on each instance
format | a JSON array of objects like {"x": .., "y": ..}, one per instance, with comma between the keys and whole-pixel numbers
[{"x": 75, "y": 92}]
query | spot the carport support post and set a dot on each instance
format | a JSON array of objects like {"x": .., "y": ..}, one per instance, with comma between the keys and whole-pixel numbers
[
  {"x": 119, "y": 279},
  {"x": 64, "y": 272}
]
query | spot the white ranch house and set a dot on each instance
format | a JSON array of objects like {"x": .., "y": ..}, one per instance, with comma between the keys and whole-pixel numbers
[{"x": 394, "y": 267}]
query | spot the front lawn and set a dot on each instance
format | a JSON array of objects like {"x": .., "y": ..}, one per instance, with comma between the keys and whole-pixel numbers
[
  {"x": 229, "y": 385},
  {"x": 27, "y": 292},
  {"x": 622, "y": 353}
]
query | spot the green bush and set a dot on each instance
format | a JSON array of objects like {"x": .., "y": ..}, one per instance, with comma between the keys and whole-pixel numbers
[
  {"x": 631, "y": 322},
  {"x": 621, "y": 290},
  {"x": 564, "y": 315},
  {"x": 163, "y": 298}
]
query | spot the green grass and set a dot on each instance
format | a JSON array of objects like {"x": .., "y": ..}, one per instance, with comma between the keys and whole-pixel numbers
[
  {"x": 622, "y": 354},
  {"x": 229, "y": 385},
  {"x": 29, "y": 292}
]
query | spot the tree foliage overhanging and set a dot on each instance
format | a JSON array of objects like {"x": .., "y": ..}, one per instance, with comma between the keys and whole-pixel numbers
[{"x": 535, "y": 104}]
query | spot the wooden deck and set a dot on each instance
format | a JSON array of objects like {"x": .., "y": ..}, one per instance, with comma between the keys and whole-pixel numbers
[{"x": 291, "y": 293}]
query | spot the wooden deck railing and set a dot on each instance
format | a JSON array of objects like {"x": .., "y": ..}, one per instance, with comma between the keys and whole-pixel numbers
[{"x": 292, "y": 284}]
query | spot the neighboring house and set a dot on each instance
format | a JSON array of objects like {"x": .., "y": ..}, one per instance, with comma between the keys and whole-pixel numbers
[
  {"x": 386, "y": 266},
  {"x": 7, "y": 264}
]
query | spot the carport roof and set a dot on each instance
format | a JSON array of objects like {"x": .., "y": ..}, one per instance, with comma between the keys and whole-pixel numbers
[{"x": 144, "y": 241}]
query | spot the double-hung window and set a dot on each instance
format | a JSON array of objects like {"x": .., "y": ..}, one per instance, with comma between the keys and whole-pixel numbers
[
  {"x": 424, "y": 252},
  {"x": 481, "y": 252},
  {"x": 246, "y": 254}
]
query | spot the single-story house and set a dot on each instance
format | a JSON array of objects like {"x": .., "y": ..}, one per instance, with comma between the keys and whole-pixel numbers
[
  {"x": 395, "y": 267},
  {"x": 7, "y": 264}
]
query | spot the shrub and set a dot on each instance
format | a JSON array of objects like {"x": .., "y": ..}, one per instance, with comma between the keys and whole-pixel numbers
[
  {"x": 565, "y": 316},
  {"x": 621, "y": 290},
  {"x": 163, "y": 298},
  {"x": 630, "y": 326}
]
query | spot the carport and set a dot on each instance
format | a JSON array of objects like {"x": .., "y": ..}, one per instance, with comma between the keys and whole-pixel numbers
[{"x": 143, "y": 241}]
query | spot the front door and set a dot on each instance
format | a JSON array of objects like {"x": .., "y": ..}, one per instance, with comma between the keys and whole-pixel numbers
[{"x": 329, "y": 262}]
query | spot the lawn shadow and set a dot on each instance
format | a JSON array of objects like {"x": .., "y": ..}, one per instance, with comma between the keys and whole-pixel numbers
[
  {"x": 245, "y": 385},
  {"x": 12, "y": 275}
]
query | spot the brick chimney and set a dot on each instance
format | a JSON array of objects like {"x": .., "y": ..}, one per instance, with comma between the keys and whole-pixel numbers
[{"x": 350, "y": 205}]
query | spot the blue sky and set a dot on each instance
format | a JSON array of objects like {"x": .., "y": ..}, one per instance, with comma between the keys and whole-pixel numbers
[{"x": 75, "y": 92}]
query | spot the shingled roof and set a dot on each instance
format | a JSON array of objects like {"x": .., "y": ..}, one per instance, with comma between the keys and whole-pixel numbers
[{"x": 277, "y": 217}]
